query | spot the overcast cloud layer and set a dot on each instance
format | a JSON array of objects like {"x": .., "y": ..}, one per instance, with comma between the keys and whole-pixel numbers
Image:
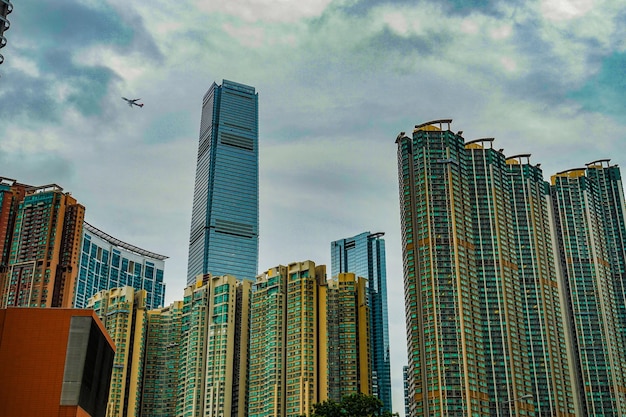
[{"x": 337, "y": 81}]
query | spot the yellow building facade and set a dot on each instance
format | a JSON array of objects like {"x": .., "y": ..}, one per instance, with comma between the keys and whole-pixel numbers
[{"x": 123, "y": 313}]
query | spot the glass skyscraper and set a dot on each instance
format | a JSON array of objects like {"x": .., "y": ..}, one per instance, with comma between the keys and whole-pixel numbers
[
  {"x": 364, "y": 255},
  {"x": 224, "y": 236}
]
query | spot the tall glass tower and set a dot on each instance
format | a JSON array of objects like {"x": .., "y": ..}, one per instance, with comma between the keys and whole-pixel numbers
[
  {"x": 364, "y": 255},
  {"x": 224, "y": 236}
]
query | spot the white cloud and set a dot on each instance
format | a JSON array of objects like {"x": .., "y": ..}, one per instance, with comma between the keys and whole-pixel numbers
[
  {"x": 249, "y": 36},
  {"x": 565, "y": 9},
  {"x": 265, "y": 10}
]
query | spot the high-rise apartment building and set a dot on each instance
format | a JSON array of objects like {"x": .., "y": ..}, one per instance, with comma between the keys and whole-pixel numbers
[
  {"x": 309, "y": 340},
  {"x": 541, "y": 289},
  {"x": 349, "y": 359},
  {"x": 288, "y": 343},
  {"x": 484, "y": 295},
  {"x": 11, "y": 194},
  {"x": 163, "y": 339},
  {"x": 214, "y": 347},
  {"x": 591, "y": 257},
  {"x": 447, "y": 370},
  {"x": 499, "y": 286},
  {"x": 608, "y": 181},
  {"x": 123, "y": 313},
  {"x": 5, "y": 9},
  {"x": 45, "y": 248},
  {"x": 107, "y": 263},
  {"x": 225, "y": 216},
  {"x": 364, "y": 255}
]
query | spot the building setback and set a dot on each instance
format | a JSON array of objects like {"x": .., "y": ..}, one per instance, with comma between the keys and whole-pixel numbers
[
  {"x": 45, "y": 247},
  {"x": 107, "y": 263},
  {"x": 54, "y": 362},
  {"x": 364, "y": 255},
  {"x": 224, "y": 237},
  {"x": 123, "y": 313}
]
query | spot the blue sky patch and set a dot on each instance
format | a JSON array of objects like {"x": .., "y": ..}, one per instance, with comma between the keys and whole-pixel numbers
[{"x": 605, "y": 92}]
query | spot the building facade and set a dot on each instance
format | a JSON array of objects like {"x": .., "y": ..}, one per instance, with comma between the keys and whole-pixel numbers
[
  {"x": 547, "y": 338},
  {"x": 123, "y": 313},
  {"x": 288, "y": 343},
  {"x": 447, "y": 370},
  {"x": 162, "y": 363},
  {"x": 214, "y": 347},
  {"x": 54, "y": 362},
  {"x": 488, "y": 327},
  {"x": 349, "y": 359},
  {"x": 107, "y": 263},
  {"x": 364, "y": 255},
  {"x": 584, "y": 234},
  {"x": 45, "y": 247},
  {"x": 225, "y": 215},
  {"x": 11, "y": 194}
]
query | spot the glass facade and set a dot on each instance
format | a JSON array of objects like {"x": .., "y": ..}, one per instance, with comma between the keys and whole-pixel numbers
[
  {"x": 107, "y": 263},
  {"x": 364, "y": 255},
  {"x": 225, "y": 216}
]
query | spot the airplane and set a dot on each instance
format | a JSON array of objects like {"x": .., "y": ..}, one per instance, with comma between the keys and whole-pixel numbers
[{"x": 133, "y": 101}]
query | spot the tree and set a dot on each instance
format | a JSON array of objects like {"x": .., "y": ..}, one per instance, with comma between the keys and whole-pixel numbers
[{"x": 353, "y": 405}]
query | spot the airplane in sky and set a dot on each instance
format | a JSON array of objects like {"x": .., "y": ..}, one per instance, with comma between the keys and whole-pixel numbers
[{"x": 133, "y": 101}]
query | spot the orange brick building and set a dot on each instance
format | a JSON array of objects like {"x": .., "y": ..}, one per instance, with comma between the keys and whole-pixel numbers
[{"x": 53, "y": 363}]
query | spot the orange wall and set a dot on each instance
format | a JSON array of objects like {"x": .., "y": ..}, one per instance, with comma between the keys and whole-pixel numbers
[{"x": 33, "y": 343}]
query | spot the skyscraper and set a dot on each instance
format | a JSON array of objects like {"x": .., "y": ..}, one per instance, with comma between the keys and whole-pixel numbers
[
  {"x": 11, "y": 194},
  {"x": 541, "y": 288},
  {"x": 45, "y": 247},
  {"x": 443, "y": 312},
  {"x": 484, "y": 293},
  {"x": 163, "y": 338},
  {"x": 225, "y": 216},
  {"x": 364, "y": 255},
  {"x": 214, "y": 347},
  {"x": 349, "y": 354},
  {"x": 123, "y": 313},
  {"x": 585, "y": 225},
  {"x": 107, "y": 262},
  {"x": 288, "y": 342}
]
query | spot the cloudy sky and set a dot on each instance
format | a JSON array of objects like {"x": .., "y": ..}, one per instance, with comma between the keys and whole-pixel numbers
[{"x": 337, "y": 81}]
